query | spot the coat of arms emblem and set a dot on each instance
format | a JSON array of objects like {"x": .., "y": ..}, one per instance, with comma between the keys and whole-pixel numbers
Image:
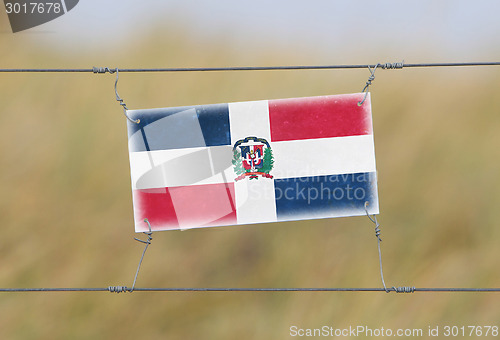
[{"x": 252, "y": 157}]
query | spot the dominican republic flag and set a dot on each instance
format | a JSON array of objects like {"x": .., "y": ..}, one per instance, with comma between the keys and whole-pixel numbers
[{"x": 252, "y": 162}]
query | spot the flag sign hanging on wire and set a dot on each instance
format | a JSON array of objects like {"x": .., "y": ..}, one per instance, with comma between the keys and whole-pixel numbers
[
  {"x": 25, "y": 14},
  {"x": 252, "y": 162}
]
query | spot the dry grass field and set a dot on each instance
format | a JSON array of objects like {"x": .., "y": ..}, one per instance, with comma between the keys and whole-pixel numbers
[{"x": 66, "y": 209}]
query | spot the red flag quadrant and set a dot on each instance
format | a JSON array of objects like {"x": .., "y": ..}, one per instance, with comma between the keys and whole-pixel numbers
[{"x": 252, "y": 162}]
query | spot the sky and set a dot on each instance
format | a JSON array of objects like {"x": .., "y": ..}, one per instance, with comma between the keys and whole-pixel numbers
[{"x": 455, "y": 30}]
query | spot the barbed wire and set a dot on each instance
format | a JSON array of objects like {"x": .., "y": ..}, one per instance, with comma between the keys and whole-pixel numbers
[{"x": 397, "y": 65}]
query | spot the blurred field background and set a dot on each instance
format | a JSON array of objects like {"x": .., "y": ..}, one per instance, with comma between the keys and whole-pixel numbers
[{"x": 66, "y": 210}]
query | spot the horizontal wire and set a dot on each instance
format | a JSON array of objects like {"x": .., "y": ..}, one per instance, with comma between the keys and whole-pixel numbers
[
  {"x": 125, "y": 289},
  {"x": 246, "y": 68}
]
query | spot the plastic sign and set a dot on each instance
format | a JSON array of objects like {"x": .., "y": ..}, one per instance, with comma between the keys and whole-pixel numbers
[{"x": 252, "y": 162}]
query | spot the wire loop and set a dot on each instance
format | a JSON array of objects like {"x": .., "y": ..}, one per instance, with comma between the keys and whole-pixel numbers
[
  {"x": 377, "y": 234},
  {"x": 122, "y": 289},
  {"x": 385, "y": 66},
  {"x": 103, "y": 70},
  {"x": 120, "y": 100},
  {"x": 404, "y": 289},
  {"x": 147, "y": 242}
]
